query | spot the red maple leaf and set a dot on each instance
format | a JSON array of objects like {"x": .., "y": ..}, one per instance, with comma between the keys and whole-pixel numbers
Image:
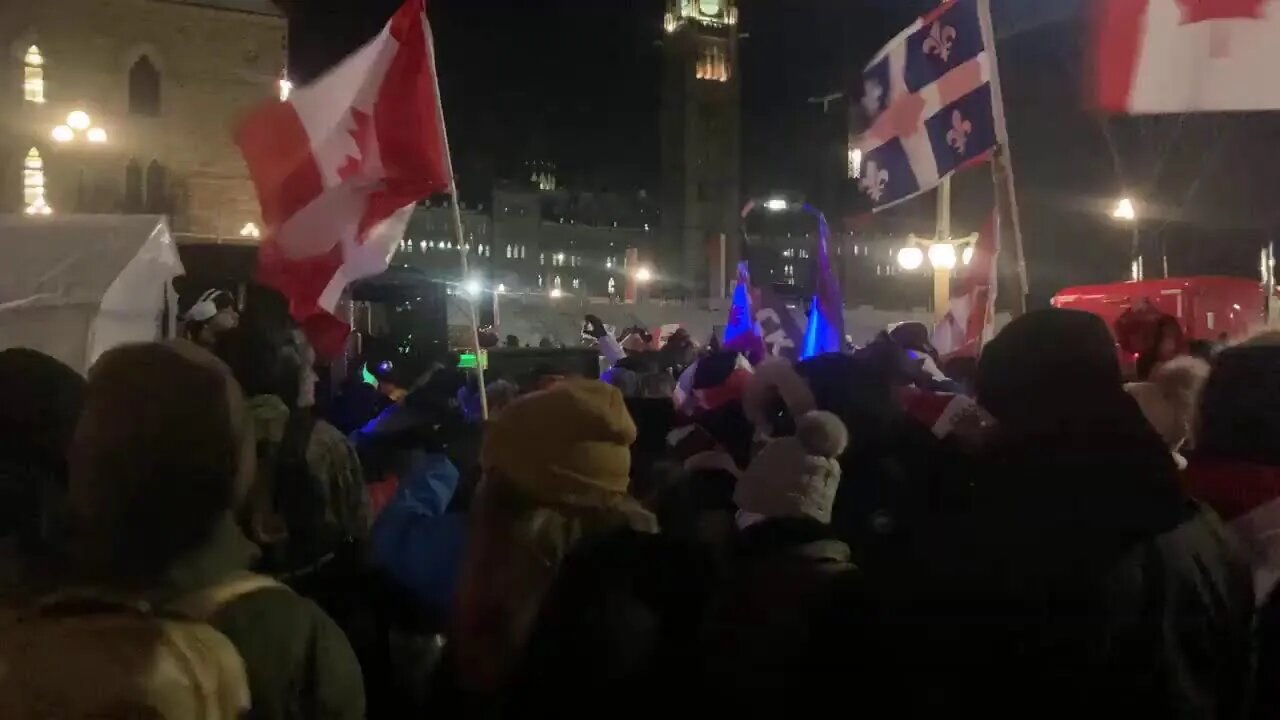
[
  {"x": 1194, "y": 11},
  {"x": 363, "y": 136}
]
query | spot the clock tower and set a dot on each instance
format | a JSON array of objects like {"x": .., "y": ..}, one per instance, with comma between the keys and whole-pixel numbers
[{"x": 701, "y": 138}]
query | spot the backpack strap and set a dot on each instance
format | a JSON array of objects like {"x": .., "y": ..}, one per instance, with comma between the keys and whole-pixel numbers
[{"x": 204, "y": 604}]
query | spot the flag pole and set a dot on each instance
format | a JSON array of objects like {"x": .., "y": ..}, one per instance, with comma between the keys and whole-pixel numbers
[
  {"x": 457, "y": 218},
  {"x": 1002, "y": 167}
]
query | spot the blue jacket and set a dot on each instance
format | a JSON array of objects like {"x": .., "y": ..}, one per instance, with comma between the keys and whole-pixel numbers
[{"x": 415, "y": 540}]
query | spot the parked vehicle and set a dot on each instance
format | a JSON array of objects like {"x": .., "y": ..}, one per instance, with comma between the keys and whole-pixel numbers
[{"x": 1207, "y": 308}]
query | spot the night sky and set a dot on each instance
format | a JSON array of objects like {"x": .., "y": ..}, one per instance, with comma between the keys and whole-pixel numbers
[{"x": 575, "y": 82}]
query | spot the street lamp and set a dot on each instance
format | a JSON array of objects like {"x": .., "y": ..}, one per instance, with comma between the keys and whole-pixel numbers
[
  {"x": 910, "y": 258},
  {"x": 644, "y": 275},
  {"x": 943, "y": 258},
  {"x": 556, "y": 293},
  {"x": 1125, "y": 210},
  {"x": 473, "y": 287},
  {"x": 78, "y": 122},
  {"x": 776, "y": 204}
]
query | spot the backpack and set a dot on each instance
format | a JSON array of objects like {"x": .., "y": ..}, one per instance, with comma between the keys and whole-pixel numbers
[
  {"x": 88, "y": 654},
  {"x": 296, "y": 500}
]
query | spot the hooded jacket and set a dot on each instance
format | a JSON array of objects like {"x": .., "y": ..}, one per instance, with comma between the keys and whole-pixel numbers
[{"x": 415, "y": 541}]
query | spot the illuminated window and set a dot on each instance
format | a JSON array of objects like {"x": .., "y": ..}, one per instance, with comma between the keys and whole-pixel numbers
[
  {"x": 508, "y": 252},
  {"x": 555, "y": 283},
  {"x": 522, "y": 252},
  {"x": 542, "y": 258},
  {"x": 539, "y": 280},
  {"x": 613, "y": 286},
  {"x": 713, "y": 64},
  {"x": 577, "y": 283},
  {"x": 33, "y": 75},
  {"x": 33, "y": 184},
  {"x": 608, "y": 262}
]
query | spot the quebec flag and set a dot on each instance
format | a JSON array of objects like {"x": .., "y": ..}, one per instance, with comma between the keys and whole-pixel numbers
[{"x": 928, "y": 95}]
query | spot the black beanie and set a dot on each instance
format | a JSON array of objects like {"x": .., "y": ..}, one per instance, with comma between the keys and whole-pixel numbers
[{"x": 1240, "y": 406}]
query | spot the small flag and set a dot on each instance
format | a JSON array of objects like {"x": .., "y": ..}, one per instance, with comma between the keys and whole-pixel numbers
[
  {"x": 929, "y": 97},
  {"x": 1175, "y": 56},
  {"x": 825, "y": 333},
  {"x": 742, "y": 333},
  {"x": 339, "y": 166},
  {"x": 970, "y": 322}
]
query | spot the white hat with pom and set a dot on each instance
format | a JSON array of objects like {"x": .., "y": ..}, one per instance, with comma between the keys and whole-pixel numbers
[{"x": 796, "y": 476}]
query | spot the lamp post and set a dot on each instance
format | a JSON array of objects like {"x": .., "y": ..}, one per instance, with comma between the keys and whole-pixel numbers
[
  {"x": 78, "y": 127},
  {"x": 943, "y": 258},
  {"x": 1126, "y": 211}
]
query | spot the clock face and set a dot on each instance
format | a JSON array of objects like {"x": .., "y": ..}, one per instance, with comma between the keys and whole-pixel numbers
[{"x": 710, "y": 7}]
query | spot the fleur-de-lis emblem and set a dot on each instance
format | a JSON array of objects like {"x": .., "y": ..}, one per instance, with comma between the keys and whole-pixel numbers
[
  {"x": 940, "y": 40},
  {"x": 958, "y": 135},
  {"x": 874, "y": 180},
  {"x": 872, "y": 94}
]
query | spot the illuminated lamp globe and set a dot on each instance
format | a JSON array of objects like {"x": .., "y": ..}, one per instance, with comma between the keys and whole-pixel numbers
[
  {"x": 644, "y": 275},
  {"x": 910, "y": 258},
  {"x": 942, "y": 256},
  {"x": 63, "y": 133},
  {"x": 96, "y": 135},
  {"x": 556, "y": 292},
  {"x": 472, "y": 287},
  {"x": 79, "y": 120}
]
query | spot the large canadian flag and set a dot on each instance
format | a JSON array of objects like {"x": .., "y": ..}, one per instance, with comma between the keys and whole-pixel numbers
[
  {"x": 339, "y": 166},
  {"x": 1173, "y": 56}
]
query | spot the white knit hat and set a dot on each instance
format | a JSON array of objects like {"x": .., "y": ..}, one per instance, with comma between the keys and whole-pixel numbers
[{"x": 796, "y": 476}]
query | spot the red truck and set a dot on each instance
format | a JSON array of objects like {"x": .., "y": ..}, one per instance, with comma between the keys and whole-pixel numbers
[{"x": 1207, "y": 308}]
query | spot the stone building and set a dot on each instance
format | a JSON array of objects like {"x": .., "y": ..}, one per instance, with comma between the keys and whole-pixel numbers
[
  {"x": 121, "y": 106},
  {"x": 531, "y": 240}
]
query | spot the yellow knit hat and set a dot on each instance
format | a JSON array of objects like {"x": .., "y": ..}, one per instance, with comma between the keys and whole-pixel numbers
[{"x": 553, "y": 445}]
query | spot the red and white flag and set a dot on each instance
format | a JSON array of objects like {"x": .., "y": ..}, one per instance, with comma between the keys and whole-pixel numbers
[
  {"x": 970, "y": 321},
  {"x": 1174, "y": 56},
  {"x": 339, "y": 166}
]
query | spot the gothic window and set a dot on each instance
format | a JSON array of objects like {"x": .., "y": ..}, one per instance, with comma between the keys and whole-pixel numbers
[
  {"x": 613, "y": 286},
  {"x": 556, "y": 282},
  {"x": 577, "y": 283},
  {"x": 133, "y": 187},
  {"x": 33, "y": 75},
  {"x": 33, "y": 184},
  {"x": 144, "y": 88}
]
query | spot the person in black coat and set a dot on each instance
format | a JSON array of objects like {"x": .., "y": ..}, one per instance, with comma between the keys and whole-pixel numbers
[{"x": 1083, "y": 582}]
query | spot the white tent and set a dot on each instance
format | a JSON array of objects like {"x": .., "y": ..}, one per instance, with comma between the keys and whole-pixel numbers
[{"x": 75, "y": 286}]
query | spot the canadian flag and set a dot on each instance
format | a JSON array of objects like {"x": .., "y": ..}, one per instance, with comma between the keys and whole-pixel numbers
[
  {"x": 1173, "y": 56},
  {"x": 339, "y": 166},
  {"x": 970, "y": 321}
]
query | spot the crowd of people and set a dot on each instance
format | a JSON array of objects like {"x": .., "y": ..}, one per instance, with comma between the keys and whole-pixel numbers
[{"x": 186, "y": 533}]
